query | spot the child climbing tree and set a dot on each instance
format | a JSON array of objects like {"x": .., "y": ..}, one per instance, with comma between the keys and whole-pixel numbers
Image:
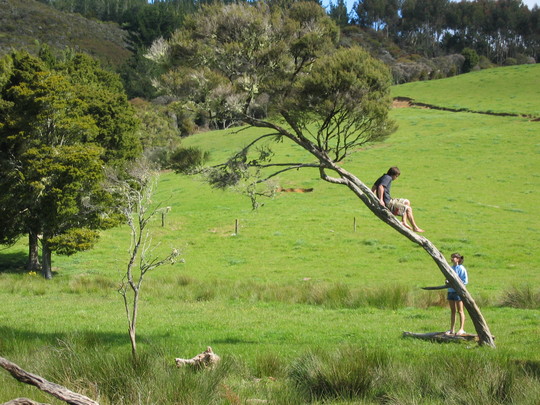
[{"x": 282, "y": 70}]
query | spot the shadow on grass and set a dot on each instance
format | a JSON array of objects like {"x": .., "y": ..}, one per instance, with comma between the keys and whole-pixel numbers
[
  {"x": 233, "y": 341},
  {"x": 13, "y": 337},
  {"x": 14, "y": 262}
]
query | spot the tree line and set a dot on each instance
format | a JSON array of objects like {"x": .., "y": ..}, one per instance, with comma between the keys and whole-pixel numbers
[{"x": 497, "y": 29}]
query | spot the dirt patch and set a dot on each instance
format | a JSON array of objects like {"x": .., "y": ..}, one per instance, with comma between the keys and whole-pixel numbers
[
  {"x": 400, "y": 103},
  {"x": 294, "y": 190}
]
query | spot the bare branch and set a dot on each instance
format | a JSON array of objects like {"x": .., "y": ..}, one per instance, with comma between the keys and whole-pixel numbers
[{"x": 293, "y": 167}]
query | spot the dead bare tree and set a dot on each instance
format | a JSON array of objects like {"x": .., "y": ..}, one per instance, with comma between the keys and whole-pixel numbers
[{"x": 136, "y": 194}]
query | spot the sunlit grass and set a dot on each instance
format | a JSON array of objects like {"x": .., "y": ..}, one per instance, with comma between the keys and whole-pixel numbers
[
  {"x": 299, "y": 285},
  {"x": 512, "y": 89}
]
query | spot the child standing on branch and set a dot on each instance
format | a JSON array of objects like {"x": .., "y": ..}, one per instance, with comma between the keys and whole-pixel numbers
[
  {"x": 454, "y": 300},
  {"x": 398, "y": 206}
]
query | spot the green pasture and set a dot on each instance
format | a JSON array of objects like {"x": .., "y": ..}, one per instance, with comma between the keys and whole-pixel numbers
[
  {"x": 513, "y": 89},
  {"x": 298, "y": 279}
]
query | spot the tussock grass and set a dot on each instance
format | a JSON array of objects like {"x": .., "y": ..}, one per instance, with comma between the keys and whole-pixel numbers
[
  {"x": 347, "y": 374},
  {"x": 523, "y": 296},
  {"x": 90, "y": 284}
]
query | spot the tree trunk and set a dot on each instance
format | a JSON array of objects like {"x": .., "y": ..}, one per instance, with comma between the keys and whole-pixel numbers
[
  {"x": 133, "y": 340},
  {"x": 33, "y": 252},
  {"x": 372, "y": 202},
  {"x": 46, "y": 268}
]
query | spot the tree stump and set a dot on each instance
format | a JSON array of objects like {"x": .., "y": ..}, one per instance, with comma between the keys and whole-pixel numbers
[{"x": 206, "y": 359}]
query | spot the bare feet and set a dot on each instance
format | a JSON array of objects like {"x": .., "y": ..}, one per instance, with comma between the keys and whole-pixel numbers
[
  {"x": 406, "y": 225},
  {"x": 419, "y": 230}
]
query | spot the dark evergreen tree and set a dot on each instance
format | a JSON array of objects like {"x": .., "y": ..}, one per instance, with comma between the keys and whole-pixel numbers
[{"x": 58, "y": 129}]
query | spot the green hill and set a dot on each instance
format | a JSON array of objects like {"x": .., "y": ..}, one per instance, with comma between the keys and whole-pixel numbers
[
  {"x": 26, "y": 23},
  {"x": 513, "y": 90}
]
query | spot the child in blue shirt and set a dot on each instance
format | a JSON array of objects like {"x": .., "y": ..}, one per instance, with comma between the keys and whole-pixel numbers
[{"x": 454, "y": 300}]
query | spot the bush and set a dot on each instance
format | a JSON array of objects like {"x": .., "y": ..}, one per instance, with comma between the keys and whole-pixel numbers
[
  {"x": 184, "y": 160},
  {"x": 524, "y": 59},
  {"x": 485, "y": 63},
  {"x": 73, "y": 241},
  {"x": 471, "y": 59}
]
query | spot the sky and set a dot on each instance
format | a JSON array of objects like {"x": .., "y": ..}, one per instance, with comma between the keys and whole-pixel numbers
[{"x": 528, "y": 3}]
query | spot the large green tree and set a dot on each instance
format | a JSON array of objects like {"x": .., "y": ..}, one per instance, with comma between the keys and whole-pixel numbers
[
  {"x": 281, "y": 70},
  {"x": 61, "y": 122}
]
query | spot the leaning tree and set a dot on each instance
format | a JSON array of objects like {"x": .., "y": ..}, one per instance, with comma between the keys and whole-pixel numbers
[{"x": 282, "y": 70}]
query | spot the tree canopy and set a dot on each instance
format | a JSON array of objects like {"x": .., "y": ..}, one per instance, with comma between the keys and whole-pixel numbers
[{"x": 61, "y": 122}]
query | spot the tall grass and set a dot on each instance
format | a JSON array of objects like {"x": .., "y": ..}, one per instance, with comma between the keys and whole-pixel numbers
[
  {"x": 523, "y": 296},
  {"x": 348, "y": 374}
]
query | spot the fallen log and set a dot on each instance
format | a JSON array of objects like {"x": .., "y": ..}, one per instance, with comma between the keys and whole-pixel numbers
[
  {"x": 443, "y": 337},
  {"x": 203, "y": 360},
  {"x": 55, "y": 390},
  {"x": 23, "y": 401}
]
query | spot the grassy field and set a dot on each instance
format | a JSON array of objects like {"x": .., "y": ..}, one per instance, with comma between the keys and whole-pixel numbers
[
  {"x": 301, "y": 306},
  {"x": 514, "y": 90}
]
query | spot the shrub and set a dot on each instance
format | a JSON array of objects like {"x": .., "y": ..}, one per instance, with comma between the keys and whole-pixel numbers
[
  {"x": 183, "y": 160},
  {"x": 485, "y": 63},
  {"x": 73, "y": 241},
  {"x": 471, "y": 59}
]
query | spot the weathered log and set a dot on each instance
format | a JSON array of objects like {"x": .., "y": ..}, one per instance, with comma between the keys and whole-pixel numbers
[
  {"x": 55, "y": 390},
  {"x": 443, "y": 337},
  {"x": 203, "y": 360},
  {"x": 23, "y": 401}
]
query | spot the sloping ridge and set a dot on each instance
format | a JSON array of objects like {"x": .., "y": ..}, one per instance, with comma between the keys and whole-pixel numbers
[{"x": 25, "y": 22}]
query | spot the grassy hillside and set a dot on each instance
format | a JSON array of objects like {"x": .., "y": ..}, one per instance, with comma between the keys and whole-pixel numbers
[
  {"x": 514, "y": 90},
  {"x": 298, "y": 282},
  {"x": 24, "y": 24}
]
